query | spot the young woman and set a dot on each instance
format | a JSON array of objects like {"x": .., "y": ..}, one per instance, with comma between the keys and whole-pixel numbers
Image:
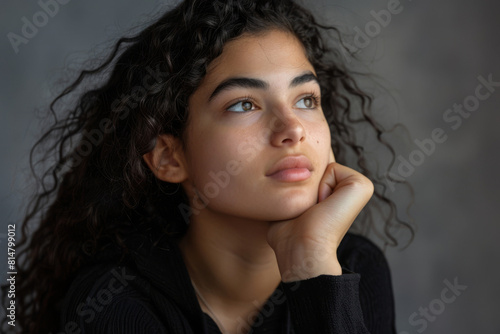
[{"x": 202, "y": 194}]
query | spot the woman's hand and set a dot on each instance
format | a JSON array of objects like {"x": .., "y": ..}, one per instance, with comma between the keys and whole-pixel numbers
[{"x": 306, "y": 246}]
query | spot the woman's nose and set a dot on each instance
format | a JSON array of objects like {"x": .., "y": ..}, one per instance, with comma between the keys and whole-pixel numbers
[{"x": 286, "y": 128}]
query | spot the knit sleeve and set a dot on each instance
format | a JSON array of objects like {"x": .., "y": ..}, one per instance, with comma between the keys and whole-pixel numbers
[
  {"x": 360, "y": 302},
  {"x": 325, "y": 304},
  {"x": 375, "y": 288}
]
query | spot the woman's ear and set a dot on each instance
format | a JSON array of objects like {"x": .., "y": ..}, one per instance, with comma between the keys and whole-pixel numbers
[{"x": 166, "y": 160}]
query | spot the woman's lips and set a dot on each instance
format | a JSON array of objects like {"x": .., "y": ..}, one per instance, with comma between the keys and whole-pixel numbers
[
  {"x": 292, "y": 175},
  {"x": 291, "y": 169}
]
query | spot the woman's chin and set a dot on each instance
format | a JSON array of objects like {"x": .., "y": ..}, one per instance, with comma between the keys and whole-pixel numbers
[{"x": 291, "y": 210}]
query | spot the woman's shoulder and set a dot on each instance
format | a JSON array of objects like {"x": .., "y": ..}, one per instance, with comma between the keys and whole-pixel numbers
[
  {"x": 119, "y": 293},
  {"x": 146, "y": 291},
  {"x": 110, "y": 297}
]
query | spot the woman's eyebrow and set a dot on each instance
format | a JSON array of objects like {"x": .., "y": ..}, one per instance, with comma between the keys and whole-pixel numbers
[
  {"x": 304, "y": 78},
  {"x": 259, "y": 84},
  {"x": 239, "y": 82}
]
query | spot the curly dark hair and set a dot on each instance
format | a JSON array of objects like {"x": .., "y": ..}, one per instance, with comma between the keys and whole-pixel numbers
[{"x": 98, "y": 190}]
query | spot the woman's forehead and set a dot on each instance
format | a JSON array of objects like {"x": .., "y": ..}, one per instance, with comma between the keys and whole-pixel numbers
[
  {"x": 259, "y": 56},
  {"x": 275, "y": 46}
]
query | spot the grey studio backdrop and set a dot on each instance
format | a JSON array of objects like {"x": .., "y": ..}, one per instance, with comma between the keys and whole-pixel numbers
[{"x": 433, "y": 56}]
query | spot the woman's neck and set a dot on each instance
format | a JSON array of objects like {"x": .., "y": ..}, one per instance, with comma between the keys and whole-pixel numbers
[{"x": 230, "y": 262}]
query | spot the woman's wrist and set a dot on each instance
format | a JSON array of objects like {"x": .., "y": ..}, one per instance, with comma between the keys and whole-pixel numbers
[{"x": 301, "y": 262}]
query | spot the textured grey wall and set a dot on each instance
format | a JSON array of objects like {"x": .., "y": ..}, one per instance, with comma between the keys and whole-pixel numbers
[{"x": 430, "y": 54}]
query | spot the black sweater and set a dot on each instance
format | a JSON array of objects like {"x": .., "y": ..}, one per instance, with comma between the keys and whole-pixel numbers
[{"x": 151, "y": 292}]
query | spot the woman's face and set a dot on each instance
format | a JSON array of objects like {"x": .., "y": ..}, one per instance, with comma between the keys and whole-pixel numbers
[{"x": 257, "y": 143}]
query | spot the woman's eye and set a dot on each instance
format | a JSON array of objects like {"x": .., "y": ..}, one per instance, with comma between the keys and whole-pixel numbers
[
  {"x": 241, "y": 106},
  {"x": 306, "y": 103}
]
